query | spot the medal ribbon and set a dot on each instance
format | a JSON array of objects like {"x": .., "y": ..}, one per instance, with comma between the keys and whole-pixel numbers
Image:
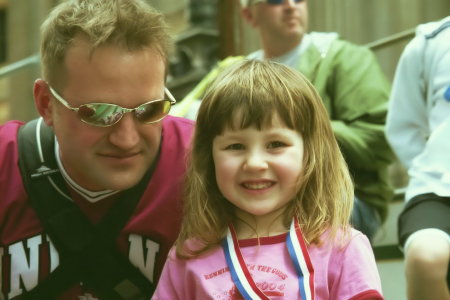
[
  {"x": 302, "y": 262},
  {"x": 297, "y": 250}
]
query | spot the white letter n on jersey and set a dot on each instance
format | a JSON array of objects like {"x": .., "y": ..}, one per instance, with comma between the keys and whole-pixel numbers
[
  {"x": 136, "y": 255},
  {"x": 24, "y": 266}
]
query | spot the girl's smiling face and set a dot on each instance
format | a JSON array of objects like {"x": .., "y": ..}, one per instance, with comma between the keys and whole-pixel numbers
[{"x": 257, "y": 170}]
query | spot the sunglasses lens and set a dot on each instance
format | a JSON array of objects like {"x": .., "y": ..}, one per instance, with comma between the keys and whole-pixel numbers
[
  {"x": 100, "y": 114},
  {"x": 152, "y": 111}
]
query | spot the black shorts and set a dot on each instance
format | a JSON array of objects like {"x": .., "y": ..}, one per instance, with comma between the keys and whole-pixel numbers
[{"x": 421, "y": 212}]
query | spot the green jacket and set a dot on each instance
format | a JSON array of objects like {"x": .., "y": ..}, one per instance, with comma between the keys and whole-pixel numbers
[{"x": 355, "y": 93}]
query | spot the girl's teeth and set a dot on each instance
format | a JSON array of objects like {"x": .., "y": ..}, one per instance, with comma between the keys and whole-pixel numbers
[{"x": 257, "y": 186}]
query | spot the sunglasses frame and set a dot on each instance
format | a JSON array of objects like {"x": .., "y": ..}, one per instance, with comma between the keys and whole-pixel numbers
[{"x": 124, "y": 110}]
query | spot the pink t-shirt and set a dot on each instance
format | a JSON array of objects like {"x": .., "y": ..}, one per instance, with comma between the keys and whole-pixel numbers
[{"x": 346, "y": 272}]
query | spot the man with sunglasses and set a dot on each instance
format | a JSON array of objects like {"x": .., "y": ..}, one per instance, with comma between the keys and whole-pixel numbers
[
  {"x": 349, "y": 81},
  {"x": 103, "y": 141}
]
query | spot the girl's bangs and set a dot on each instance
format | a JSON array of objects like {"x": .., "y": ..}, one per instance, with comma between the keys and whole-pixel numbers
[{"x": 241, "y": 109}]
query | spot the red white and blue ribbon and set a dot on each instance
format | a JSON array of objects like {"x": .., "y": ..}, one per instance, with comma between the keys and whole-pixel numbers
[
  {"x": 297, "y": 250},
  {"x": 302, "y": 262}
]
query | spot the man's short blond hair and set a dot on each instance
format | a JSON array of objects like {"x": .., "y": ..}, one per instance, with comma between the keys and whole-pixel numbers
[{"x": 129, "y": 24}]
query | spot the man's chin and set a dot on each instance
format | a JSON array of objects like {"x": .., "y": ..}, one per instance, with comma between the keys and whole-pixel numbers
[
  {"x": 123, "y": 184},
  {"x": 118, "y": 181}
]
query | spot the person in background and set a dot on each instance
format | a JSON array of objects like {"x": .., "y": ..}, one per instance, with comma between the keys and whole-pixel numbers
[
  {"x": 418, "y": 129},
  {"x": 103, "y": 103},
  {"x": 351, "y": 84},
  {"x": 268, "y": 195}
]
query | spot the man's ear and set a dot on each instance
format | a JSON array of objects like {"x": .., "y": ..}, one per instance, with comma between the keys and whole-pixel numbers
[{"x": 42, "y": 101}]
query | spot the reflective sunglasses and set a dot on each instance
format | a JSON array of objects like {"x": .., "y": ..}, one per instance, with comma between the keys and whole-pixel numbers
[
  {"x": 274, "y": 2},
  {"x": 107, "y": 114}
]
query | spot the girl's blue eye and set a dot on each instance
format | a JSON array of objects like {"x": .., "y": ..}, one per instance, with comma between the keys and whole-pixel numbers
[
  {"x": 276, "y": 144},
  {"x": 235, "y": 147}
]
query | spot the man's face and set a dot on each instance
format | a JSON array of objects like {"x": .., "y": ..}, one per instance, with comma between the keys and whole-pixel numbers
[
  {"x": 288, "y": 20},
  {"x": 114, "y": 157}
]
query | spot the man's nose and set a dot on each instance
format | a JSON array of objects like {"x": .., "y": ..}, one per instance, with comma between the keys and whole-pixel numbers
[
  {"x": 124, "y": 134},
  {"x": 289, "y": 2}
]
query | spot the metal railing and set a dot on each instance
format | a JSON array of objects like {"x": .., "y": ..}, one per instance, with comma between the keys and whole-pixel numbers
[
  {"x": 392, "y": 39},
  {"x": 381, "y": 43},
  {"x": 19, "y": 65}
]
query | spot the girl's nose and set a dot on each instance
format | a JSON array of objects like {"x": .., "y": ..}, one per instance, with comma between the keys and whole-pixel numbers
[{"x": 255, "y": 161}]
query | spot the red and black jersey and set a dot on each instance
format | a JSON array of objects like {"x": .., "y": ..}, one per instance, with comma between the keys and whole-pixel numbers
[{"x": 27, "y": 254}]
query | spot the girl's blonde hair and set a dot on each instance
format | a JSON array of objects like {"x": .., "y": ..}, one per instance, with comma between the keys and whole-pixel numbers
[{"x": 257, "y": 90}]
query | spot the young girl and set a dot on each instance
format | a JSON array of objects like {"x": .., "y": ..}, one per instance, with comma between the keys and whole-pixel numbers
[{"x": 268, "y": 198}]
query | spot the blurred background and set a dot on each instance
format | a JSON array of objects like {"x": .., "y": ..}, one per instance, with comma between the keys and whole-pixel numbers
[{"x": 206, "y": 31}]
